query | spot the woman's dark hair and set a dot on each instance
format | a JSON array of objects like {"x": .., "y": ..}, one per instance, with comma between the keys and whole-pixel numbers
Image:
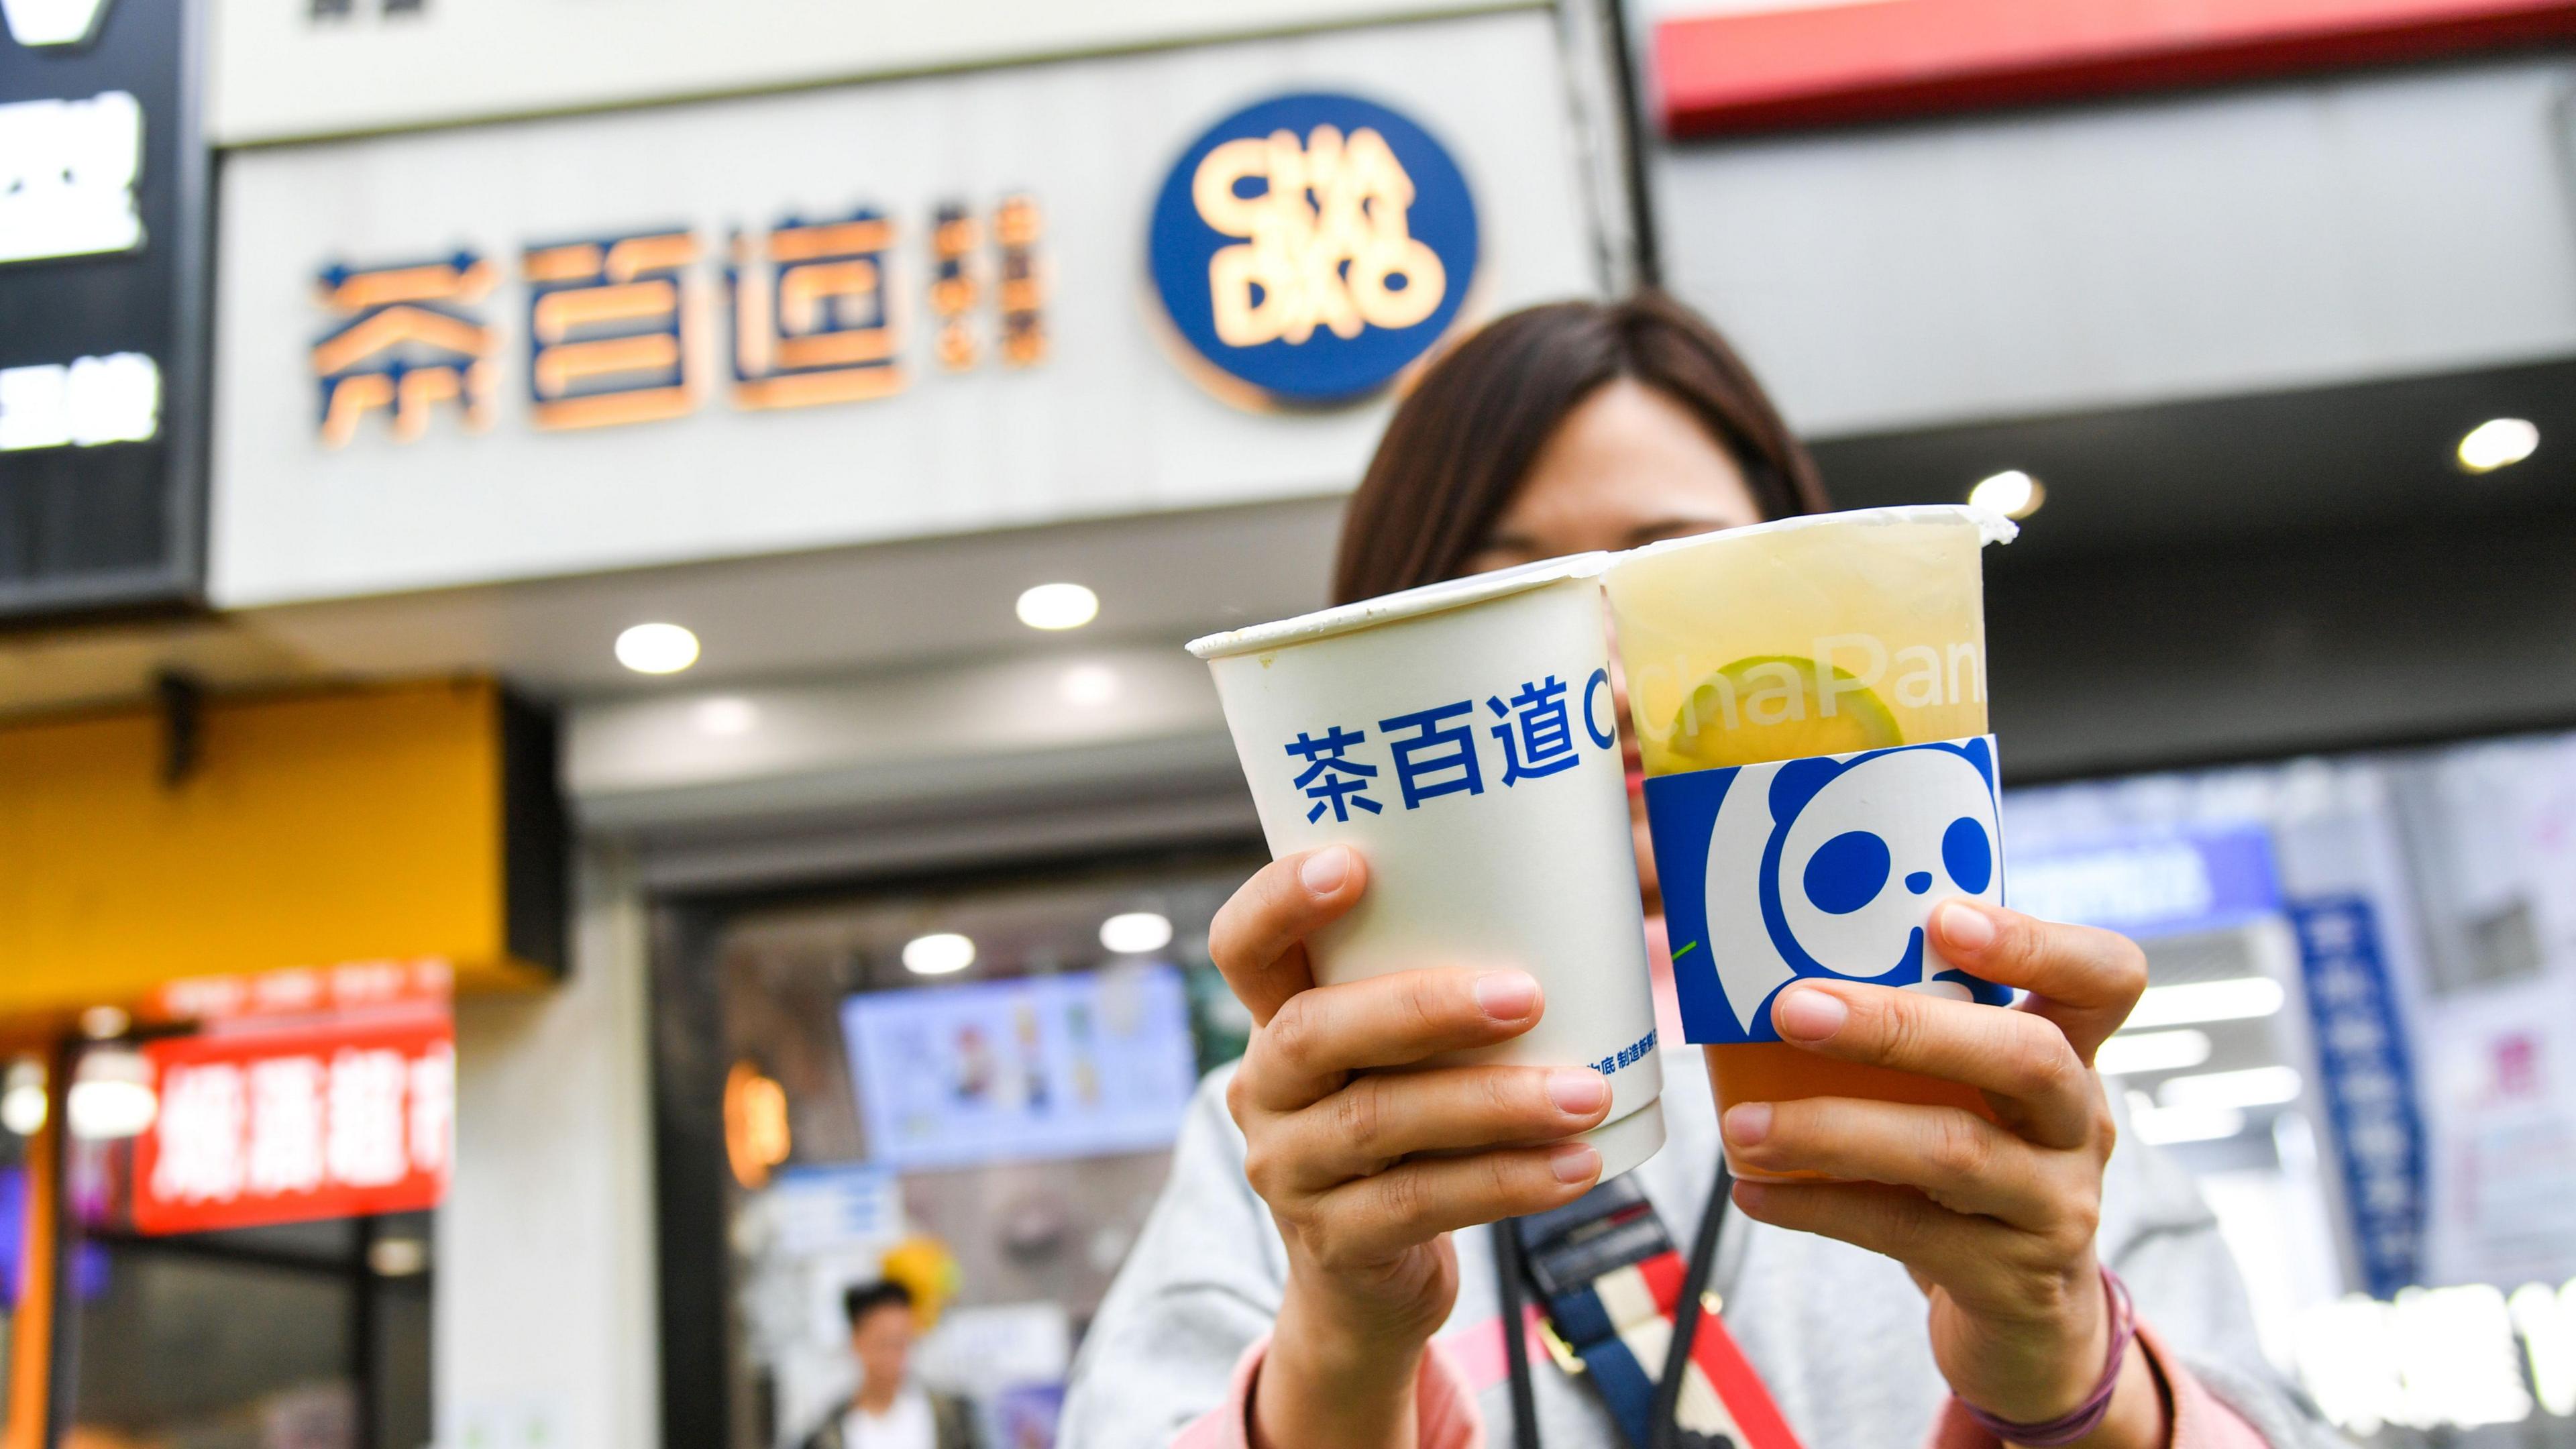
[
  {"x": 1461, "y": 443},
  {"x": 867, "y": 1298}
]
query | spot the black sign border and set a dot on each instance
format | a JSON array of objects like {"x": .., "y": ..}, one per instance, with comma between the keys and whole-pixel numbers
[{"x": 178, "y": 582}]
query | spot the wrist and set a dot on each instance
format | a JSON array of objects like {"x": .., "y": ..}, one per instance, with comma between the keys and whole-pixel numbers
[
  {"x": 1329, "y": 1379},
  {"x": 2137, "y": 1417},
  {"x": 2121, "y": 1405},
  {"x": 2037, "y": 1369}
]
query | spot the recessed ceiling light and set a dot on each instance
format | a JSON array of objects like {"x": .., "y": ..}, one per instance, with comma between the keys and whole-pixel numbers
[
  {"x": 22, "y": 1102},
  {"x": 111, "y": 1095},
  {"x": 2165, "y": 1126},
  {"x": 2237, "y": 998},
  {"x": 657, "y": 648},
  {"x": 2135, "y": 1053},
  {"x": 1058, "y": 606},
  {"x": 2498, "y": 443},
  {"x": 1135, "y": 932},
  {"x": 2249, "y": 1087},
  {"x": 940, "y": 954},
  {"x": 726, "y": 715},
  {"x": 2012, "y": 493},
  {"x": 1089, "y": 684},
  {"x": 398, "y": 1257}
]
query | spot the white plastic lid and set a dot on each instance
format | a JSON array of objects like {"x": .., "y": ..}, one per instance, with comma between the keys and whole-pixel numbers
[
  {"x": 1992, "y": 527},
  {"x": 1409, "y": 604}
]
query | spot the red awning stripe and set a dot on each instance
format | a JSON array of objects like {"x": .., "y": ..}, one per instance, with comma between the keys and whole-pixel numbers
[{"x": 1888, "y": 59}]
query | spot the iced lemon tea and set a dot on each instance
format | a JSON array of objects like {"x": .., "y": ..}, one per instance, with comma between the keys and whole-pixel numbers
[{"x": 1829, "y": 636}]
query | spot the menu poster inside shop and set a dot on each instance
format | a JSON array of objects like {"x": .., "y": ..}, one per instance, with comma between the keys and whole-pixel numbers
[
  {"x": 103, "y": 197},
  {"x": 1078, "y": 1065},
  {"x": 295, "y": 1123},
  {"x": 848, "y": 315}
]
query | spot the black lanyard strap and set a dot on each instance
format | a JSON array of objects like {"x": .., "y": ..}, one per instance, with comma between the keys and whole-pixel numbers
[{"x": 1562, "y": 1253}]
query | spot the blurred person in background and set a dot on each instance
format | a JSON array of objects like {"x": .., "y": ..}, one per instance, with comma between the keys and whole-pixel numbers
[
  {"x": 1322, "y": 1224},
  {"x": 889, "y": 1410}
]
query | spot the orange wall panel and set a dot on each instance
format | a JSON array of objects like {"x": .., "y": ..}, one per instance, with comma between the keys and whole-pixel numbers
[{"x": 358, "y": 825}]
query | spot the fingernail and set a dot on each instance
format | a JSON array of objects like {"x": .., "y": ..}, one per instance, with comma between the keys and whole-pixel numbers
[
  {"x": 1325, "y": 870},
  {"x": 1810, "y": 1015},
  {"x": 1577, "y": 1091},
  {"x": 1748, "y": 1124},
  {"x": 1574, "y": 1162},
  {"x": 1966, "y": 927},
  {"x": 1507, "y": 995}
]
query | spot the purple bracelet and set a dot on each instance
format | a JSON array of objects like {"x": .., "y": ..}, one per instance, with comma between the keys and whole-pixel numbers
[{"x": 2082, "y": 1420}]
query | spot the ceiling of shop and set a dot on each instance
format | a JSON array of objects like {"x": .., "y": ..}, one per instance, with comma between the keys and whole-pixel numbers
[
  {"x": 2237, "y": 468},
  {"x": 1161, "y": 579}
]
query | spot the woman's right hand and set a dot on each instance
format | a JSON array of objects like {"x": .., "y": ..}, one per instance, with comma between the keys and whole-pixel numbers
[{"x": 1366, "y": 1170}]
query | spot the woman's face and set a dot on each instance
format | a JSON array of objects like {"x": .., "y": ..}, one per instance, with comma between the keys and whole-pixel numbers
[{"x": 1628, "y": 466}]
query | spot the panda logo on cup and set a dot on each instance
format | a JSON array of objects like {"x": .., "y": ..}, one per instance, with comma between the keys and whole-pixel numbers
[{"x": 1828, "y": 866}]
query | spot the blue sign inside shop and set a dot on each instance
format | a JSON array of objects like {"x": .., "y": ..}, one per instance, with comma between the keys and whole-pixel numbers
[
  {"x": 1420, "y": 756},
  {"x": 2369, "y": 1084},
  {"x": 1310, "y": 248},
  {"x": 2153, "y": 883}
]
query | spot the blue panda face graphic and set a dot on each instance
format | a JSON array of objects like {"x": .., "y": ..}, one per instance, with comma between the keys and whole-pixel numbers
[
  {"x": 1864, "y": 850},
  {"x": 1829, "y": 865}
]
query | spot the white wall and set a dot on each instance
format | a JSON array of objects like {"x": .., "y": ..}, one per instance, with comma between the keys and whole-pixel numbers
[
  {"x": 281, "y": 73},
  {"x": 2368, "y": 226},
  {"x": 544, "y": 1318}
]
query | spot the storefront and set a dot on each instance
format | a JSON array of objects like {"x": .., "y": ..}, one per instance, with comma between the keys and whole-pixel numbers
[
  {"x": 232, "y": 925},
  {"x": 222, "y": 1174},
  {"x": 825, "y": 375}
]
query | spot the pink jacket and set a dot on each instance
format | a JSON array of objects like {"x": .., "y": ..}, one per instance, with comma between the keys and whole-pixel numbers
[{"x": 1462, "y": 1362}]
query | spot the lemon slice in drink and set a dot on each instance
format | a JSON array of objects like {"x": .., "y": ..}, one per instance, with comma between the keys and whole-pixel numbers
[{"x": 1770, "y": 707}]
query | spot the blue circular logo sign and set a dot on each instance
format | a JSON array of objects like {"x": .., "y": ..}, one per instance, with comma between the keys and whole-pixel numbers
[{"x": 1313, "y": 246}]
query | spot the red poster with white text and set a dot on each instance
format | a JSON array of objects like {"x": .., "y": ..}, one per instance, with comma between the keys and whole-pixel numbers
[{"x": 280, "y": 1126}]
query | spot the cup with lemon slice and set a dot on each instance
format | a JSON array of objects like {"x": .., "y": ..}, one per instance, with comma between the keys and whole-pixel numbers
[{"x": 1837, "y": 641}]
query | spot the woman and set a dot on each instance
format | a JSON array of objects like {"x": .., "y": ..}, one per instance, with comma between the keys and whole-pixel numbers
[{"x": 1315, "y": 1274}]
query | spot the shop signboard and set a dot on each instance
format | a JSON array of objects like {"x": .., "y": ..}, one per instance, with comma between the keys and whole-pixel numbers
[
  {"x": 102, "y": 250},
  {"x": 370, "y": 986},
  {"x": 342, "y": 1119},
  {"x": 1777, "y": 63},
  {"x": 699, "y": 331},
  {"x": 326, "y": 67},
  {"x": 1310, "y": 248},
  {"x": 2153, "y": 883}
]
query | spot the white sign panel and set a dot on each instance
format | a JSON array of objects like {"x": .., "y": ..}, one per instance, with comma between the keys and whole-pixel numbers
[
  {"x": 67, "y": 171},
  {"x": 294, "y": 69},
  {"x": 794, "y": 321}
]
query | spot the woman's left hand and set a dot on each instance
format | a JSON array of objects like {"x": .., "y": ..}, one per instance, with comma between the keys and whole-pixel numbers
[{"x": 1995, "y": 1222}]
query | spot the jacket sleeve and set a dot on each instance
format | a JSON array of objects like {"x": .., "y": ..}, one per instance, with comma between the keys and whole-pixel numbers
[
  {"x": 1445, "y": 1414},
  {"x": 2200, "y": 1421},
  {"x": 1200, "y": 1288}
]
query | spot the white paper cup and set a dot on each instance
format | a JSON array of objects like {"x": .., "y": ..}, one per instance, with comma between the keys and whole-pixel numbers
[{"x": 1463, "y": 738}]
